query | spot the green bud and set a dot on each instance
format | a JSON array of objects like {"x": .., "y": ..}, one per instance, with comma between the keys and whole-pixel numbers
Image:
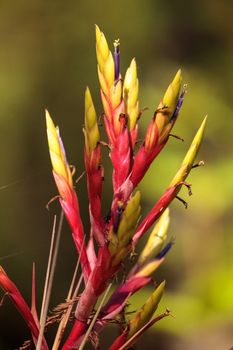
[
  {"x": 171, "y": 95},
  {"x": 128, "y": 222},
  {"x": 156, "y": 239},
  {"x": 189, "y": 159},
  {"x": 145, "y": 314},
  {"x": 91, "y": 131}
]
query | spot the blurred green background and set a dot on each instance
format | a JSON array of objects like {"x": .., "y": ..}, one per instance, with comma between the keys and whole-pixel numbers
[{"x": 47, "y": 57}]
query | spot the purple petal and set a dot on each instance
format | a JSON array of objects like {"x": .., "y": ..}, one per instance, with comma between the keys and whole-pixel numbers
[
  {"x": 180, "y": 102},
  {"x": 61, "y": 143},
  {"x": 117, "y": 58},
  {"x": 165, "y": 250}
]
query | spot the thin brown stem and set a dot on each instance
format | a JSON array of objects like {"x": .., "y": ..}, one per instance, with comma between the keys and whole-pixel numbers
[
  {"x": 48, "y": 265},
  {"x": 66, "y": 315},
  {"x": 50, "y": 283}
]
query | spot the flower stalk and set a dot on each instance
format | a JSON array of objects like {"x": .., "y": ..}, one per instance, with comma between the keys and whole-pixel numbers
[{"x": 68, "y": 198}]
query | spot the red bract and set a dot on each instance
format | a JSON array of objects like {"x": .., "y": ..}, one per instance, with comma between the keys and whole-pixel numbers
[{"x": 14, "y": 294}]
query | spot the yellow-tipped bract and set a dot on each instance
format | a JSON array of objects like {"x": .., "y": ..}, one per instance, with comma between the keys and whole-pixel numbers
[
  {"x": 188, "y": 161},
  {"x": 149, "y": 268},
  {"x": 119, "y": 242},
  {"x": 171, "y": 95},
  {"x": 57, "y": 153},
  {"x": 91, "y": 131},
  {"x": 130, "y": 91},
  {"x": 167, "y": 107},
  {"x": 147, "y": 311},
  {"x": 105, "y": 61},
  {"x": 156, "y": 239},
  {"x": 129, "y": 219}
]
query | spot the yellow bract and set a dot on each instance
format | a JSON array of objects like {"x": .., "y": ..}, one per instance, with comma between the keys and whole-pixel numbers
[
  {"x": 119, "y": 242},
  {"x": 188, "y": 161},
  {"x": 106, "y": 68},
  {"x": 167, "y": 106},
  {"x": 57, "y": 155},
  {"x": 129, "y": 219},
  {"x": 149, "y": 268},
  {"x": 130, "y": 91},
  {"x": 116, "y": 94},
  {"x": 91, "y": 131},
  {"x": 156, "y": 238},
  {"x": 171, "y": 96},
  {"x": 147, "y": 311}
]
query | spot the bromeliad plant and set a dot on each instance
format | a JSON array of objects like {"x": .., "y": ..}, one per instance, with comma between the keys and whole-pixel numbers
[{"x": 114, "y": 238}]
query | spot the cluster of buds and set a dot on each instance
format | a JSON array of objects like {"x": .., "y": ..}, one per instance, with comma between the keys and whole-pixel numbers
[{"x": 114, "y": 238}]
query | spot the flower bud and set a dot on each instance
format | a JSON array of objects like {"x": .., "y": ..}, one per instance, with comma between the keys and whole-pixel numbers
[
  {"x": 91, "y": 130},
  {"x": 130, "y": 89},
  {"x": 147, "y": 311},
  {"x": 57, "y": 152},
  {"x": 156, "y": 239}
]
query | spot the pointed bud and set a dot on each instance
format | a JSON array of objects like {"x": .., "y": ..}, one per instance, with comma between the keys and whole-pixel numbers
[
  {"x": 91, "y": 131},
  {"x": 156, "y": 239},
  {"x": 130, "y": 89},
  {"x": 149, "y": 268},
  {"x": 147, "y": 311},
  {"x": 105, "y": 62},
  {"x": 129, "y": 219},
  {"x": 158, "y": 131},
  {"x": 118, "y": 247},
  {"x": 57, "y": 152},
  {"x": 188, "y": 161},
  {"x": 101, "y": 46},
  {"x": 171, "y": 96},
  {"x": 167, "y": 107},
  {"x": 174, "y": 187}
]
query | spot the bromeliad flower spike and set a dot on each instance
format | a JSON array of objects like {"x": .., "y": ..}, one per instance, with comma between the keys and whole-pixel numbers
[{"x": 113, "y": 240}]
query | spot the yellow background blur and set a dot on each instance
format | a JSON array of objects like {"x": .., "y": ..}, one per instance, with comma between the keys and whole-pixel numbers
[{"x": 47, "y": 57}]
